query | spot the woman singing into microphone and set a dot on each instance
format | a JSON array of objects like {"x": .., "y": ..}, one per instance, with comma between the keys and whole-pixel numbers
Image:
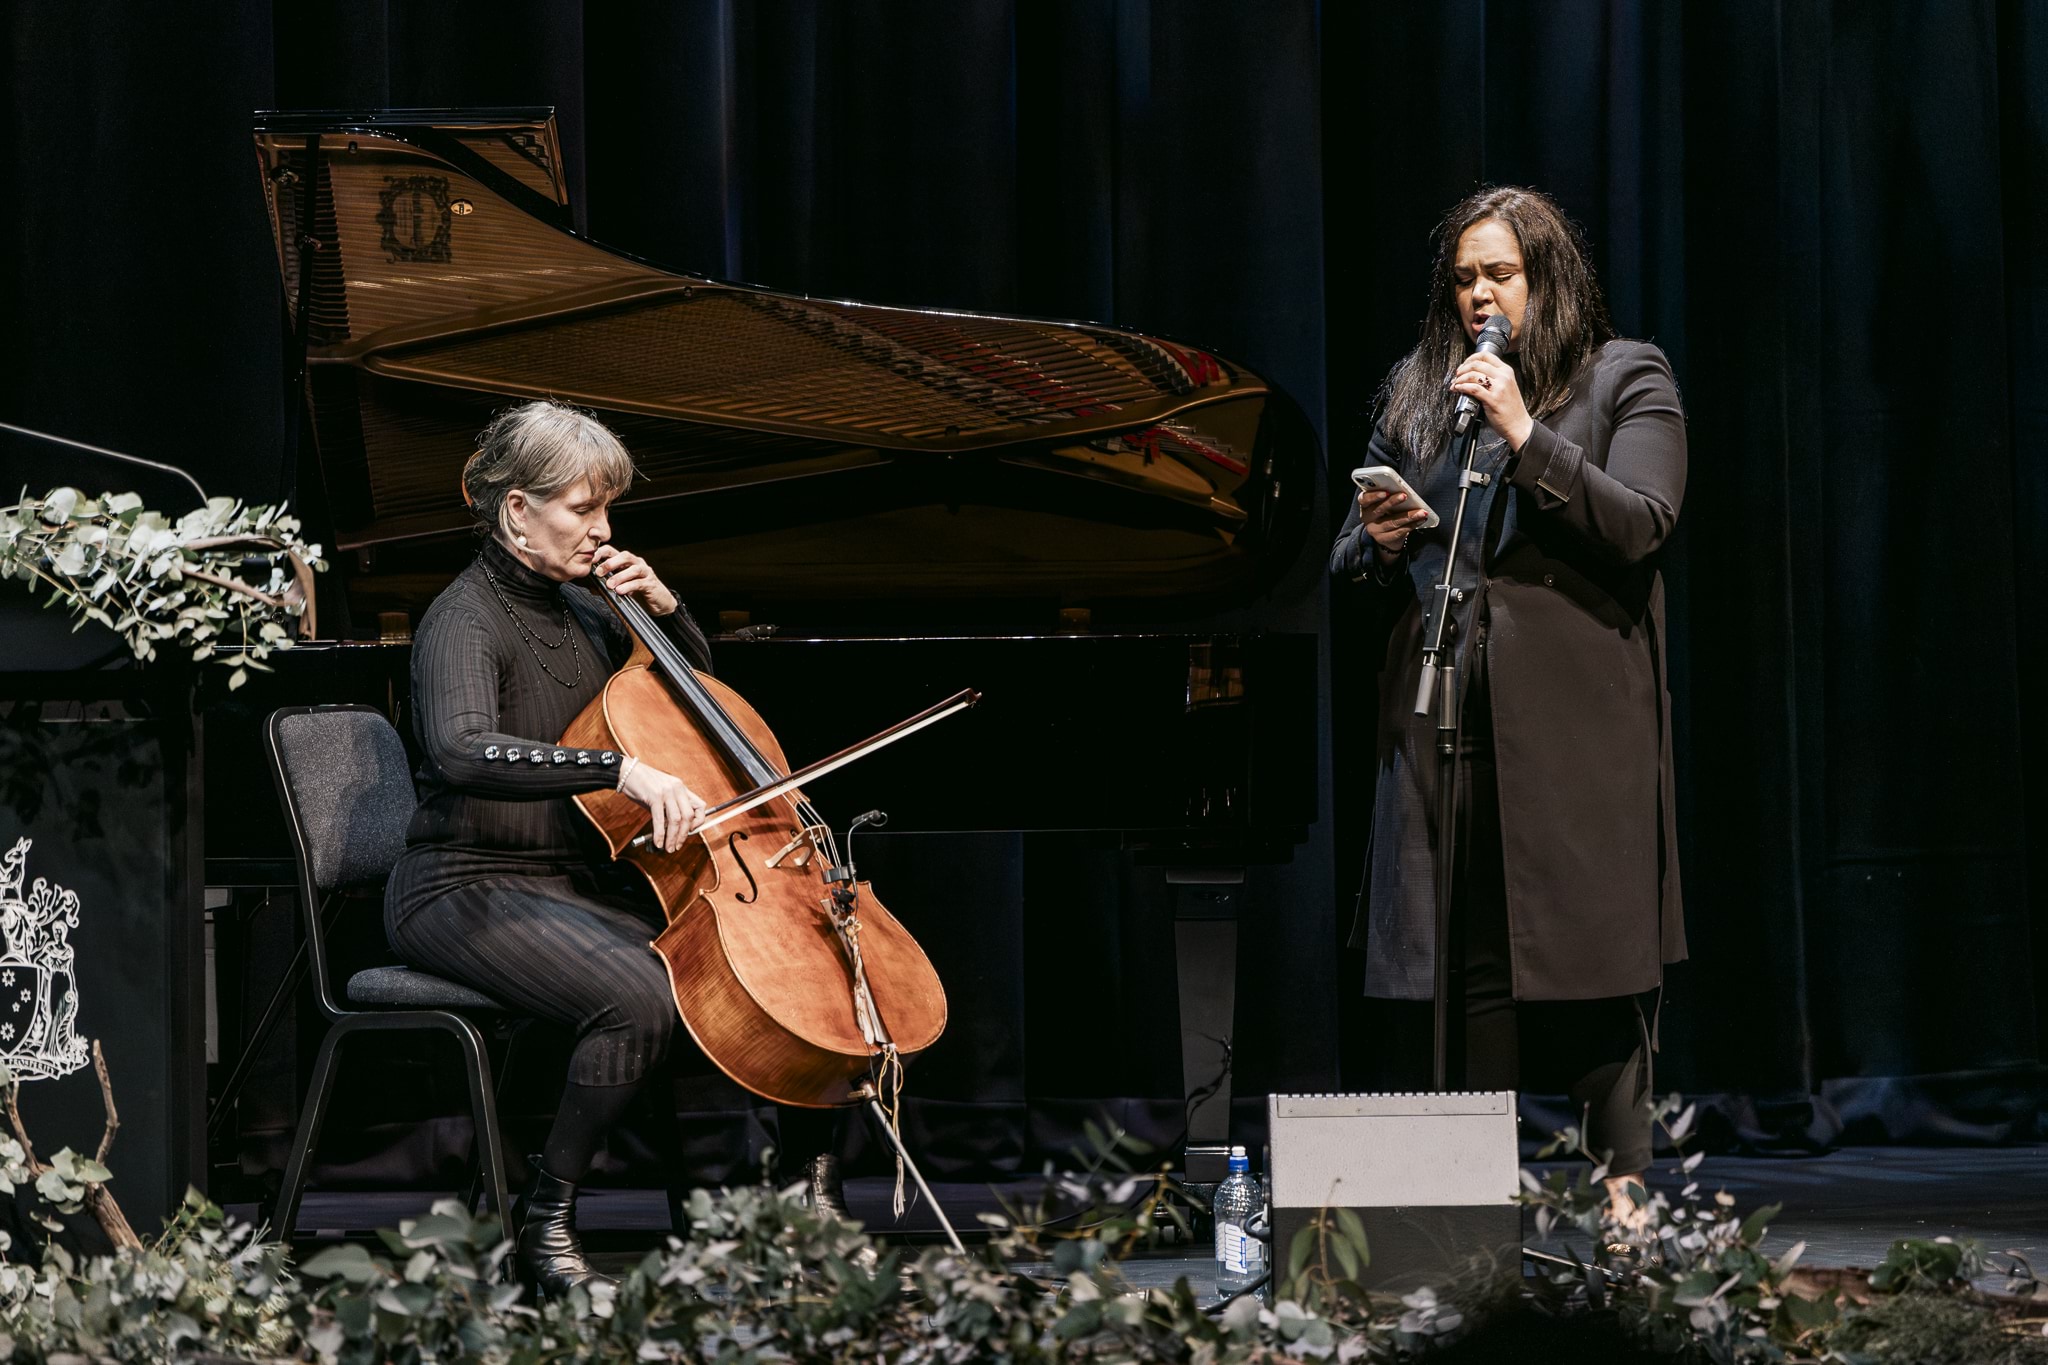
[
  {"x": 503, "y": 884},
  {"x": 1565, "y": 893}
]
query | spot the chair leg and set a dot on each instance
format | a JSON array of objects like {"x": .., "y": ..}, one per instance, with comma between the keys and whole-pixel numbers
[
  {"x": 474, "y": 1186},
  {"x": 307, "y": 1139},
  {"x": 483, "y": 1105}
]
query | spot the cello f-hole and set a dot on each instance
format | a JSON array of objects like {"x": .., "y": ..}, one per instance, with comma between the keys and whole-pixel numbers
[{"x": 753, "y": 887}]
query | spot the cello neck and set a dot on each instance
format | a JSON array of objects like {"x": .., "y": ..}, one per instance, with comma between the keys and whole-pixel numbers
[{"x": 689, "y": 689}]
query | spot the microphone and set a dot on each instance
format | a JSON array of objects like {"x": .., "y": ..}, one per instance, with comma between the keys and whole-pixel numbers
[{"x": 1493, "y": 339}]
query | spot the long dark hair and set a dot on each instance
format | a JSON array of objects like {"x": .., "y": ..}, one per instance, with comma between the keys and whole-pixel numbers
[{"x": 1566, "y": 319}]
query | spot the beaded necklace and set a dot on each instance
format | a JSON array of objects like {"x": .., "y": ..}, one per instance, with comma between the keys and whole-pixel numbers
[{"x": 527, "y": 634}]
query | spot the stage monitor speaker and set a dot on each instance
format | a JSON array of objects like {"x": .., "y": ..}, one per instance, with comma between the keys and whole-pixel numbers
[{"x": 1432, "y": 1177}]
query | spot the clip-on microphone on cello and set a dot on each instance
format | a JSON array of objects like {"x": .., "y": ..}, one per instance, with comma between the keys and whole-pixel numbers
[{"x": 842, "y": 875}]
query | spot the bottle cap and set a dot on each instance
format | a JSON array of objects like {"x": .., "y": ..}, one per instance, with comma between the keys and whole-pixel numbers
[{"x": 1239, "y": 1161}]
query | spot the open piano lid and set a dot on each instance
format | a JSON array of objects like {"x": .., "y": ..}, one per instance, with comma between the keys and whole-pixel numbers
[{"x": 792, "y": 449}]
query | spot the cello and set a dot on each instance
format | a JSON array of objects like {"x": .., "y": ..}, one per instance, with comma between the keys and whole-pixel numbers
[{"x": 793, "y": 979}]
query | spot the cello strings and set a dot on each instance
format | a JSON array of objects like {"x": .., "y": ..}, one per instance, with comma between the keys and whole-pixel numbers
[{"x": 739, "y": 748}]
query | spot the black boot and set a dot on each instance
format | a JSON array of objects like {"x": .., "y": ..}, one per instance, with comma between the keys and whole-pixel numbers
[
  {"x": 825, "y": 1192},
  {"x": 550, "y": 1256},
  {"x": 824, "y": 1189}
]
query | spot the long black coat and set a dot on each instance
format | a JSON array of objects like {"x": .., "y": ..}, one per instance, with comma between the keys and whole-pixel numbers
[{"x": 1582, "y": 733}]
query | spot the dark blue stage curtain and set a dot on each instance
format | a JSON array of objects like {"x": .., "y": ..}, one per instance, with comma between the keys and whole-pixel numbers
[{"x": 1829, "y": 215}]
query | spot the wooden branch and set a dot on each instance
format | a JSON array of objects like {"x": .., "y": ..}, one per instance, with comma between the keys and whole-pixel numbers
[
  {"x": 104, "y": 1210},
  {"x": 35, "y": 1167},
  {"x": 222, "y": 542},
  {"x": 99, "y": 1066},
  {"x": 302, "y": 579},
  {"x": 110, "y": 1218},
  {"x": 112, "y": 1221},
  {"x": 233, "y": 585}
]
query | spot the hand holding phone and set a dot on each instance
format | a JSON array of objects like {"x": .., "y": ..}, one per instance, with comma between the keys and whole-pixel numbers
[{"x": 1380, "y": 478}]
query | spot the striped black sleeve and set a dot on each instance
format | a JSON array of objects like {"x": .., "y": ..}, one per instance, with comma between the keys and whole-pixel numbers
[{"x": 456, "y": 664}]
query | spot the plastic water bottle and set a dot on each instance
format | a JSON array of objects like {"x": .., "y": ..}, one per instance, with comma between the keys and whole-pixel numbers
[{"x": 1240, "y": 1257}]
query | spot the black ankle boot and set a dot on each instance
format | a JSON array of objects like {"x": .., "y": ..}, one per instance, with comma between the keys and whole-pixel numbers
[
  {"x": 550, "y": 1256},
  {"x": 823, "y": 1187},
  {"x": 825, "y": 1192}
]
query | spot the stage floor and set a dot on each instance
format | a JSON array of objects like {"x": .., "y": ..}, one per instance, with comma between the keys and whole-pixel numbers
[{"x": 1848, "y": 1206}]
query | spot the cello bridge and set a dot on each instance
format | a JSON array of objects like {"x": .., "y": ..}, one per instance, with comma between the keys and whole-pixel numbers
[{"x": 803, "y": 844}]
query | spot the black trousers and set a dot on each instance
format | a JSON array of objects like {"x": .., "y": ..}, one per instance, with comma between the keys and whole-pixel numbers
[
  {"x": 1596, "y": 1051},
  {"x": 564, "y": 946}
]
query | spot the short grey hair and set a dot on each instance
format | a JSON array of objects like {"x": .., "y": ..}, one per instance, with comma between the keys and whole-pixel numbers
[{"x": 542, "y": 448}]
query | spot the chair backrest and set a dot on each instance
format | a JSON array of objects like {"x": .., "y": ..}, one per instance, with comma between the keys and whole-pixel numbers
[
  {"x": 347, "y": 794},
  {"x": 346, "y": 789}
]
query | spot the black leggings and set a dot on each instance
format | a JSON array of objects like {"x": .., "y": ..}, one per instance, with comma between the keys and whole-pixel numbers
[
  {"x": 559, "y": 946},
  {"x": 1596, "y": 1051}
]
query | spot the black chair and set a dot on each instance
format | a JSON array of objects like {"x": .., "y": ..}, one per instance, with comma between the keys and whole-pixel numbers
[{"x": 347, "y": 793}]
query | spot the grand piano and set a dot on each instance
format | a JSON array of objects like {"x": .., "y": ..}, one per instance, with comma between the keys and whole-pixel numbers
[{"x": 870, "y": 506}]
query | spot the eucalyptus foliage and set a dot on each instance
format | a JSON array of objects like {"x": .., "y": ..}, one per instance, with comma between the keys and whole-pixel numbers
[
  {"x": 762, "y": 1277},
  {"x": 223, "y": 575},
  {"x": 1685, "y": 1274}
]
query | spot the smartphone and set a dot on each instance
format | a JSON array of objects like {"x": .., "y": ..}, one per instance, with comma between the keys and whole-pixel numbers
[{"x": 1384, "y": 478}]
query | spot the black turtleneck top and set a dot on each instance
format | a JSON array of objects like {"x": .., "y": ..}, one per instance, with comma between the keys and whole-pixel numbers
[{"x": 502, "y": 662}]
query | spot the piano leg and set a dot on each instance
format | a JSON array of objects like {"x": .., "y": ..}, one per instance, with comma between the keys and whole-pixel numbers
[{"x": 1205, "y": 951}]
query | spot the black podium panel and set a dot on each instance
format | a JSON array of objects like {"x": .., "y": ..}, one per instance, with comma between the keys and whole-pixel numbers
[{"x": 102, "y": 921}]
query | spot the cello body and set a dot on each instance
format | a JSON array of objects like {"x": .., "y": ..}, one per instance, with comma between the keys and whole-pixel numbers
[{"x": 767, "y": 978}]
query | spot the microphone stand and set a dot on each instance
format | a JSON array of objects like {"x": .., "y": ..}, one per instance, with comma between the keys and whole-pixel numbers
[{"x": 1439, "y": 687}]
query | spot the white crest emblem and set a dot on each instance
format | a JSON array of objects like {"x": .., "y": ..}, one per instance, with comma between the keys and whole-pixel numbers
[{"x": 38, "y": 981}]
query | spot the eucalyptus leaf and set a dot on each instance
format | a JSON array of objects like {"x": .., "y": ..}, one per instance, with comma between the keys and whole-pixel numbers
[
  {"x": 1753, "y": 1227},
  {"x": 1347, "y": 1256},
  {"x": 1300, "y": 1249},
  {"x": 1353, "y": 1230},
  {"x": 52, "y": 1186},
  {"x": 345, "y": 1262}
]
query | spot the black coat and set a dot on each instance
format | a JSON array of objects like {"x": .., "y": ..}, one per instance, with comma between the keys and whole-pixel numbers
[{"x": 1582, "y": 718}]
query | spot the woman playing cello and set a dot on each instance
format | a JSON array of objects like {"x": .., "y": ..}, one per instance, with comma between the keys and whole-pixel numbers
[{"x": 504, "y": 885}]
